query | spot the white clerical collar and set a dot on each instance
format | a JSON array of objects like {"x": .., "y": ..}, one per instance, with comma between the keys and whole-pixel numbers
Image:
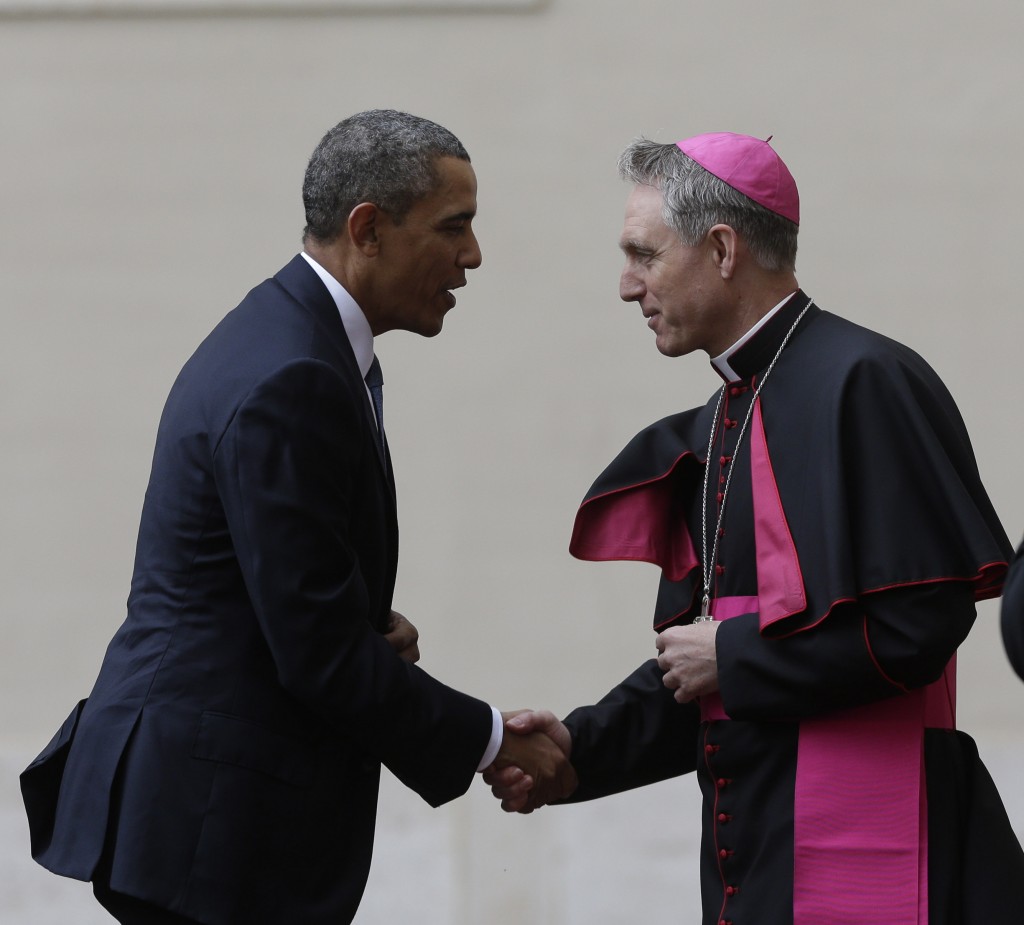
[
  {"x": 360, "y": 336},
  {"x": 721, "y": 362}
]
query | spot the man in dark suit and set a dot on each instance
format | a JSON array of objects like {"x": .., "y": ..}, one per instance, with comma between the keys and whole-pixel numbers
[{"x": 225, "y": 767}]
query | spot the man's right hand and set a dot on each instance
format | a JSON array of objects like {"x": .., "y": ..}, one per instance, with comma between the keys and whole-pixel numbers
[{"x": 532, "y": 768}]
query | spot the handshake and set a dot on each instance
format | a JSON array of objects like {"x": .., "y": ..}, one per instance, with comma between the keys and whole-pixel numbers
[{"x": 532, "y": 768}]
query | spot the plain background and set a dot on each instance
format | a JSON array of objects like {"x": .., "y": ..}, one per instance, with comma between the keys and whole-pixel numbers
[{"x": 150, "y": 174}]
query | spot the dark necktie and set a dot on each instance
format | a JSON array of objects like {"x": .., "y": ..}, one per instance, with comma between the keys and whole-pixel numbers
[{"x": 375, "y": 383}]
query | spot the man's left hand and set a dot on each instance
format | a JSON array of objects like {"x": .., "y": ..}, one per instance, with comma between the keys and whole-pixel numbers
[
  {"x": 404, "y": 638},
  {"x": 687, "y": 656}
]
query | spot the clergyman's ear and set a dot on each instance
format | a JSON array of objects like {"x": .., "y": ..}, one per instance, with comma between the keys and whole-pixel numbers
[
  {"x": 362, "y": 227},
  {"x": 724, "y": 248}
]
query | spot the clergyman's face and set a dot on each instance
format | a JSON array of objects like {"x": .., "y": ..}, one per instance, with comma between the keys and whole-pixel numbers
[
  {"x": 426, "y": 255},
  {"x": 675, "y": 285}
]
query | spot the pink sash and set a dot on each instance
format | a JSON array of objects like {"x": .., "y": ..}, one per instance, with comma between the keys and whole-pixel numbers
[{"x": 860, "y": 832}]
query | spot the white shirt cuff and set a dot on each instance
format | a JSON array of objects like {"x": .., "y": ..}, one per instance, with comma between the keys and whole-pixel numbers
[{"x": 497, "y": 734}]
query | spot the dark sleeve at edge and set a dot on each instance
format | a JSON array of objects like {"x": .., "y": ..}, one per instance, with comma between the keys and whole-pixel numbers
[{"x": 880, "y": 646}]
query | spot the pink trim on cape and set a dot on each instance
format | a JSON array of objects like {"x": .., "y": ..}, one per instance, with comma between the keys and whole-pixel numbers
[
  {"x": 988, "y": 583},
  {"x": 639, "y": 522},
  {"x": 631, "y": 524}
]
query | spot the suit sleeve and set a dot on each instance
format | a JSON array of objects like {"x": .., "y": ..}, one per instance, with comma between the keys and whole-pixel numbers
[
  {"x": 288, "y": 470},
  {"x": 635, "y": 735},
  {"x": 880, "y": 646}
]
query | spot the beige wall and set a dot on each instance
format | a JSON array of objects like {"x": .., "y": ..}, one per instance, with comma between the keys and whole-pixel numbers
[{"x": 150, "y": 173}]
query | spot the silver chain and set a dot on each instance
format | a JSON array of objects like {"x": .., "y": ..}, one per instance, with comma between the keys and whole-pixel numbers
[{"x": 708, "y": 565}]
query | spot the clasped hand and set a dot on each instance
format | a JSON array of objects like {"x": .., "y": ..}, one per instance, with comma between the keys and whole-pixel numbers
[
  {"x": 532, "y": 768},
  {"x": 688, "y": 657}
]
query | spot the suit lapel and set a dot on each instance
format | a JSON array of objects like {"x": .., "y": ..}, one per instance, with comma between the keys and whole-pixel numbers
[{"x": 300, "y": 281}]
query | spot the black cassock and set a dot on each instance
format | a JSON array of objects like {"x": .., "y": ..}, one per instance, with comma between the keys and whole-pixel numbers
[
  {"x": 855, "y": 540},
  {"x": 1012, "y": 617}
]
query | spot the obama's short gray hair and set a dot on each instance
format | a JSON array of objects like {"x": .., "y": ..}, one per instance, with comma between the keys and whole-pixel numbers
[{"x": 381, "y": 156}]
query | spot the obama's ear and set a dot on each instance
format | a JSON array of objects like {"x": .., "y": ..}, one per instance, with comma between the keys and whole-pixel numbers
[{"x": 363, "y": 225}]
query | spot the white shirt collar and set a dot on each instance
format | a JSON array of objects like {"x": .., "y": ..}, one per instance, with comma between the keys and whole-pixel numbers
[
  {"x": 360, "y": 336},
  {"x": 721, "y": 362}
]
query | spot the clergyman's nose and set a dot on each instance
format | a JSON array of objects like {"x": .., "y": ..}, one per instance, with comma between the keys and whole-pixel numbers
[{"x": 630, "y": 288}]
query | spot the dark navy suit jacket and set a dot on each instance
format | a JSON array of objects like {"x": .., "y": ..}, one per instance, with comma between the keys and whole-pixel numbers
[{"x": 226, "y": 763}]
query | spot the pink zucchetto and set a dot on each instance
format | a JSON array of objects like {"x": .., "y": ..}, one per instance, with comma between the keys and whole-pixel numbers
[{"x": 749, "y": 166}]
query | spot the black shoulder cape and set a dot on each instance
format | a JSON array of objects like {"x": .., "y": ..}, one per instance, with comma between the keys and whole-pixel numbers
[{"x": 875, "y": 476}]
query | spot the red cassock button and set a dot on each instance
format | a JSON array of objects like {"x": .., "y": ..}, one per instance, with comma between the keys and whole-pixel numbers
[
  {"x": 720, "y": 497},
  {"x": 722, "y": 782},
  {"x": 731, "y": 890},
  {"x": 723, "y": 818},
  {"x": 719, "y": 569}
]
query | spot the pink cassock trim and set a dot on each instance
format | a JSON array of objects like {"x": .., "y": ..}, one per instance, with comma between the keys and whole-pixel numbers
[
  {"x": 860, "y": 824},
  {"x": 861, "y": 819},
  {"x": 724, "y": 608},
  {"x": 780, "y": 583}
]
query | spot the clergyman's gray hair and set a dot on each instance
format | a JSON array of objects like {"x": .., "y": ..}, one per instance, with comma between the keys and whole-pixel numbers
[
  {"x": 381, "y": 156},
  {"x": 695, "y": 200}
]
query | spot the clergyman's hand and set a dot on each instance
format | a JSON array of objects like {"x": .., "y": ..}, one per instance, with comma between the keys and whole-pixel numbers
[
  {"x": 532, "y": 768},
  {"x": 403, "y": 637},
  {"x": 688, "y": 657}
]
